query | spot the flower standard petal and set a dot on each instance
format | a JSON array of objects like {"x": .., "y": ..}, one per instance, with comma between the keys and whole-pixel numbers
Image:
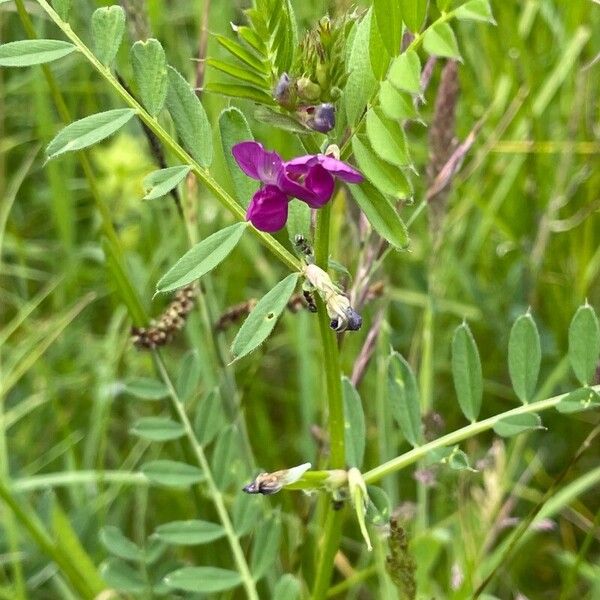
[
  {"x": 268, "y": 209},
  {"x": 257, "y": 163}
]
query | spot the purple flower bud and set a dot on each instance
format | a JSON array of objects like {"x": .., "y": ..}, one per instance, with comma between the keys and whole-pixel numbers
[
  {"x": 283, "y": 90},
  {"x": 319, "y": 118}
]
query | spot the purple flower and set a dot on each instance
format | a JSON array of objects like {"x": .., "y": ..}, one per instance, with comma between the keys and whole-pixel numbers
[
  {"x": 309, "y": 178},
  {"x": 318, "y": 118}
]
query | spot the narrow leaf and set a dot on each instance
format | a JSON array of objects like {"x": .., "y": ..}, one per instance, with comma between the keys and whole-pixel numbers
[
  {"x": 146, "y": 389},
  {"x": 157, "y": 429},
  {"x": 243, "y": 54},
  {"x": 413, "y": 13},
  {"x": 584, "y": 344},
  {"x": 389, "y": 23},
  {"x": 466, "y": 371},
  {"x": 171, "y": 473},
  {"x": 150, "y": 72},
  {"x": 244, "y": 74},
  {"x": 395, "y": 104},
  {"x": 117, "y": 544},
  {"x": 108, "y": 27},
  {"x": 475, "y": 10},
  {"x": 202, "y": 579},
  {"x": 202, "y": 258},
  {"x": 265, "y": 547},
  {"x": 189, "y": 376},
  {"x": 236, "y": 90},
  {"x": 381, "y": 214},
  {"x": 439, "y": 40},
  {"x": 25, "y": 53},
  {"x": 159, "y": 183},
  {"x": 405, "y": 73},
  {"x": 189, "y": 118},
  {"x": 378, "y": 55},
  {"x": 189, "y": 533},
  {"x": 88, "y": 131},
  {"x": 404, "y": 398},
  {"x": 387, "y": 138},
  {"x": 224, "y": 457},
  {"x": 379, "y": 507},
  {"x": 262, "y": 319},
  {"x": 515, "y": 424},
  {"x": 234, "y": 129},
  {"x": 384, "y": 176},
  {"x": 579, "y": 400},
  {"x": 245, "y": 513},
  {"x": 354, "y": 425},
  {"x": 210, "y": 417},
  {"x": 63, "y": 8},
  {"x": 361, "y": 82},
  {"x": 524, "y": 357}
]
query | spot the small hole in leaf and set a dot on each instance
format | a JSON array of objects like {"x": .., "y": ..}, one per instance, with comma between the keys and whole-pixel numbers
[{"x": 270, "y": 315}]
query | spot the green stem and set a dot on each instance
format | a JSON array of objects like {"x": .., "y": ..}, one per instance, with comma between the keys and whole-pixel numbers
[
  {"x": 213, "y": 490},
  {"x": 409, "y": 458},
  {"x": 152, "y": 123},
  {"x": 331, "y": 359}
]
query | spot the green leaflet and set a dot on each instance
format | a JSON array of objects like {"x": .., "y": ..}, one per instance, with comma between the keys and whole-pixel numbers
[
  {"x": 389, "y": 24},
  {"x": 189, "y": 533},
  {"x": 150, "y": 71},
  {"x": 404, "y": 398},
  {"x": 381, "y": 214},
  {"x": 288, "y": 587},
  {"x": 202, "y": 258},
  {"x": 413, "y": 13},
  {"x": 524, "y": 357},
  {"x": 265, "y": 547},
  {"x": 395, "y": 104},
  {"x": 202, "y": 579},
  {"x": 354, "y": 425},
  {"x": 387, "y": 178},
  {"x": 159, "y": 183},
  {"x": 157, "y": 429},
  {"x": 405, "y": 73},
  {"x": 361, "y": 82},
  {"x": 234, "y": 129},
  {"x": 239, "y": 72},
  {"x": 146, "y": 389},
  {"x": 88, "y": 131},
  {"x": 475, "y": 10},
  {"x": 579, "y": 400},
  {"x": 189, "y": 117},
  {"x": 171, "y": 473},
  {"x": 262, "y": 319},
  {"x": 584, "y": 344},
  {"x": 120, "y": 576},
  {"x": 63, "y": 8},
  {"x": 247, "y": 92},
  {"x": 108, "y": 27},
  {"x": 515, "y": 424},
  {"x": 379, "y": 56},
  {"x": 25, "y": 53},
  {"x": 439, "y": 40},
  {"x": 210, "y": 417},
  {"x": 117, "y": 544},
  {"x": 224, "y": 457},
  {"x": 387, "y": 138},
  {"x": 466, "y": 371}
]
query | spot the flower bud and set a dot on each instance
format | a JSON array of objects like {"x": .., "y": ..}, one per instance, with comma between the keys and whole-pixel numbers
[
  {"x": 284, "y": 91},
  {"x": 308, "y": 90},
  {"x": 270, "y": 483},
  {"x": 323, "y": 118}
]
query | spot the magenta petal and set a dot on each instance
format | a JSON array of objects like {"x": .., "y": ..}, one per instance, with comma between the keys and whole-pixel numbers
[
  {"x": 268, "y": 209},
  {"x": 321, "y": 184},
  {"x": 257, "y": 163},
  {"x": 301, "y": 164},
  {"x": 340, "y": 169}
]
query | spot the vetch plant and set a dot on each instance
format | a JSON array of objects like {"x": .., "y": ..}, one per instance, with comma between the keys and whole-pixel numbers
[{"x": 345, "y": 101}]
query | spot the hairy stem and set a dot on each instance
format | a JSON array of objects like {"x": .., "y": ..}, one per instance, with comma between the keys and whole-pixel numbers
[
  {"x": 213, "y": 490},
  {"x": 152, "y": 123}
]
